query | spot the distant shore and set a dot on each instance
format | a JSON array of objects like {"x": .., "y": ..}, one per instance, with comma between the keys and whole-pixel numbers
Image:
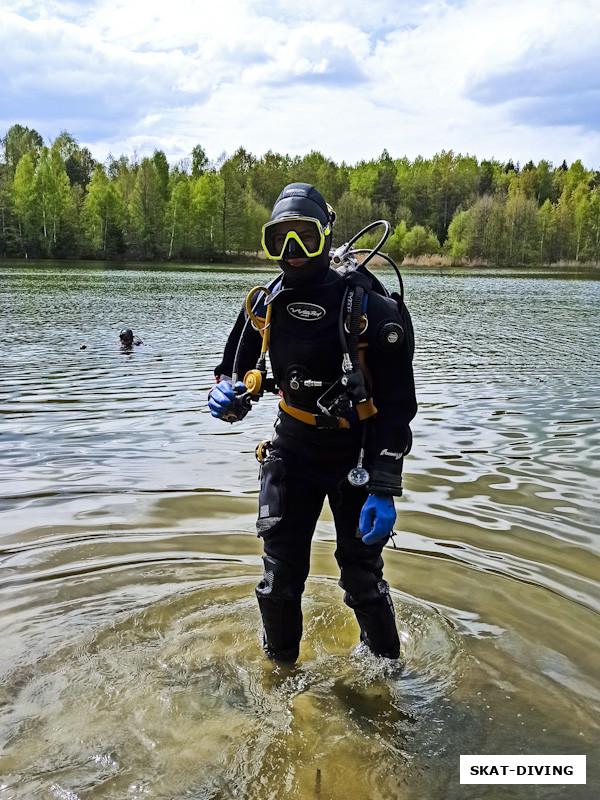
[{"x": 254, "y": 259}]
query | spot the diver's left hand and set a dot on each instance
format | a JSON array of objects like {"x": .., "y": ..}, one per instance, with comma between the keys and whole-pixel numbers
[{"x": 377, "y": 518}]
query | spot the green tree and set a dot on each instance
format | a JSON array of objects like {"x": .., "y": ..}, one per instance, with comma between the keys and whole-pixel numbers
[
  {"x": 544, "y": 183},
  {"x": 595, "y": 224},
  {"x": 123, "y": 175},
  {"x": 546, "y": 230},
  {"x": 479, "y": 232},
  {"x": 487, "y": 177},
  {"x": 65, "y": 145},
  {"x": 146, "y": 211},
  {"x": 362, "y": 179},
  {"x": 23, "y": 202},
  {"x": 457, "y": 242},
  {"x": 80, "y": 167},
  {"x": 6, "y": 217},
  {"x": 484, "y": 236},
  {"x": 52, "y": 199},
  {"x": 268, "y": 177},
  {"x": 582, "y": 220},
  {"x": 354, "y": 211},
  {"x": 17, "y": 141},
  {"x": 161, "y": 165},
  {"x": 527, "y": 180},
  {"x": 178, "y": 217},
  {"x": 207, "y": 198},
  {"x": 385, "y": 191},
  {"x": 576, "y": 174},
  {"x": 238, "y": 235},
  {"x": 453, "y": 182},
  {"x": 563, "y": 226},
  {"x": 103, "y": 216},
  {"x": 322, "y": 173},
  {"x": 395, "y": 245},
  {"x": 256, "y": 215},
  {"x": 417, "y": 191},
  {"x": 199, "y": 161},
  {"x": 79, "y": 164},
  {"x": 521, "y": 229},
  {"x": 419, "y": 242}
]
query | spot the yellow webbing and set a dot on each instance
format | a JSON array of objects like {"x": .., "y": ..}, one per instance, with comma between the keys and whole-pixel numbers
[{"x": 306, "y": 416}]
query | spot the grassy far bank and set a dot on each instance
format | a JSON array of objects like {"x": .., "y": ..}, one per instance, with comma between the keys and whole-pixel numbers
[{"x": 441, "y": 261}]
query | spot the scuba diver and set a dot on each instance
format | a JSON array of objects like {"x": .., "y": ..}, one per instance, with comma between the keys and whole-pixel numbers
[
  {"x": 127, "y": 340},
  {"x": 340, "y": 350}
]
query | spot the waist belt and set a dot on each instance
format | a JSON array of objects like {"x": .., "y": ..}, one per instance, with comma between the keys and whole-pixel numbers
[{"x": 364, "y": 410}]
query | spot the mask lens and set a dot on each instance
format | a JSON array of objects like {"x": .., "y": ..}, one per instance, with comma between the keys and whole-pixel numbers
[{"x": 307, "y": 232}]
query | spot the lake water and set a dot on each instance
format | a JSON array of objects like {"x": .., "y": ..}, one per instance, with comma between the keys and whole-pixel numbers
[{"x": 130, "y": 665}]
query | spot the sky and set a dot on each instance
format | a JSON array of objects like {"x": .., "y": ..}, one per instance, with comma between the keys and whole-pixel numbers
[{"x": 497, "y": 79}]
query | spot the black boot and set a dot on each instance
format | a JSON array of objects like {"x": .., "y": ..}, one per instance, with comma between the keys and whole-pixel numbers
[
  {"x": 282, "y": 627},
  {"x": 281, "y": 612},
  {"x": 374, "y": 612}
]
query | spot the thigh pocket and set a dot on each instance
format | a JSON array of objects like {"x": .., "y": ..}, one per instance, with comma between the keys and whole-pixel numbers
[{"x": 271, "y": 498}]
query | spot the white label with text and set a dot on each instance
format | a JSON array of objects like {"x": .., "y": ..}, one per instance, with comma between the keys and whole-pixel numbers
[{"x": 522, "y": 769}]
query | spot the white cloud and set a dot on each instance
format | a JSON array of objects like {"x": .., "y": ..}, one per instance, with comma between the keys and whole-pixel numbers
[
  {"x": 510, "y": 78},
  {"x": 314, "y": 56},
  {"x": 555, "y": 80},
  {"x": 201, "y": 24},
  {"x": 56, "y": 70}
]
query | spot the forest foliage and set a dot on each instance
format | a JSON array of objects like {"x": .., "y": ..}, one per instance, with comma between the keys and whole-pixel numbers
[{"x": 58, "y": 201}]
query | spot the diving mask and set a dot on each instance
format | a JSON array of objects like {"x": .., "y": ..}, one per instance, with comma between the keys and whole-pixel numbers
[{"x": 307, "y": 232}]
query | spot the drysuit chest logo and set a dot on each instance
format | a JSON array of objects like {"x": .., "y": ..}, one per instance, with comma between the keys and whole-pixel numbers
[{"x": 307, "y": 312}]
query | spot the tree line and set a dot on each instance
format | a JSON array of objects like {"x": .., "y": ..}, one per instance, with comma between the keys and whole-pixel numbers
[{"x": 58, "y": 201}]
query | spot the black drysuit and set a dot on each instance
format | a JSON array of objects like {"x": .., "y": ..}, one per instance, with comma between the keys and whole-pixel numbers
[{"x": 311, "y": 461}]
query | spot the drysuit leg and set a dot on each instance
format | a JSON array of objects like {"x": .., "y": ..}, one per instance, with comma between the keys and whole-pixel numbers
[
  {"x": 286, "y": 559},
  {"x": 361, "y": 570}
]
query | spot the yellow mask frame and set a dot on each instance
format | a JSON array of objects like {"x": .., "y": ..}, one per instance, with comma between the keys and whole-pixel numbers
[{"x": 277, "y": 254}]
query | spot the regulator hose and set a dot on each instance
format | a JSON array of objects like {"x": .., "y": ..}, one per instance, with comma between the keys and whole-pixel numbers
[
  {"x": 371, "y": 252},
  {"x": 356, "y": 301}
]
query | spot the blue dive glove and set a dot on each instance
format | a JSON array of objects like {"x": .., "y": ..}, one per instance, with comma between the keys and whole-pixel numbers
[
  {"x": 221, "y": 400},
  {"x": 377, "y": 518}
]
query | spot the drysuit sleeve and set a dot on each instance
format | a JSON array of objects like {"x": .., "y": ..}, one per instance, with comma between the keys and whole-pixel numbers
[
  {"x": 249, "y": 341},
  {"x": 389, "y": 364}
]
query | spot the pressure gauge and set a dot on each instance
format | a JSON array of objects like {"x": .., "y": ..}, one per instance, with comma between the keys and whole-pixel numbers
[{"x": 358, "y": 476}]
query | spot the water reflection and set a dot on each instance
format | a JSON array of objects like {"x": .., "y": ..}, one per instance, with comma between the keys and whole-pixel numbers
[{"x": 131, "y": 665}]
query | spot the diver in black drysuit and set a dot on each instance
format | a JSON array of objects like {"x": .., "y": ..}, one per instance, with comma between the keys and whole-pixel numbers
[
  {"x": 311, "y": 455},
  {"x": 127, "y": 340}
]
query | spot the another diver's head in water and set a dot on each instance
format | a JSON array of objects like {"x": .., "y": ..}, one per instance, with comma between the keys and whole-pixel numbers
[
  {"x": 299, "y": 234},
  {"x": 126, "y": 337}
]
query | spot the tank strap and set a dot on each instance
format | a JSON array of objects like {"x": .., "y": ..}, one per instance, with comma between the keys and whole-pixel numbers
[
  {"x": 362, "y": 357},
  {"x": 366, "y": 409}
]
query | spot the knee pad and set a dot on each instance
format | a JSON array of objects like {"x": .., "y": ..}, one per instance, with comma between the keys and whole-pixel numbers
[
  {"x": 355, "y": 596},
  {"x": 277, "y": 581}
]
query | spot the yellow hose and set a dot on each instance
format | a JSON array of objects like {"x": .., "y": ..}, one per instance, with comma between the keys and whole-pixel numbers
[{"x": 262, "y": 329}]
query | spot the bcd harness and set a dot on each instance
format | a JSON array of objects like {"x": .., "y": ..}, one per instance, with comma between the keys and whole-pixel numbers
[{"x": 340, "y": 397}]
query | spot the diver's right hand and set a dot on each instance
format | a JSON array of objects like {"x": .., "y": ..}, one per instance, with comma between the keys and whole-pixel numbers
[{"x": 221, "y": 399}]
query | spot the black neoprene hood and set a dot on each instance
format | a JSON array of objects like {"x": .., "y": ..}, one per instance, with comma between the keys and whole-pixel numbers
[{"x": 300, "y": 200}]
